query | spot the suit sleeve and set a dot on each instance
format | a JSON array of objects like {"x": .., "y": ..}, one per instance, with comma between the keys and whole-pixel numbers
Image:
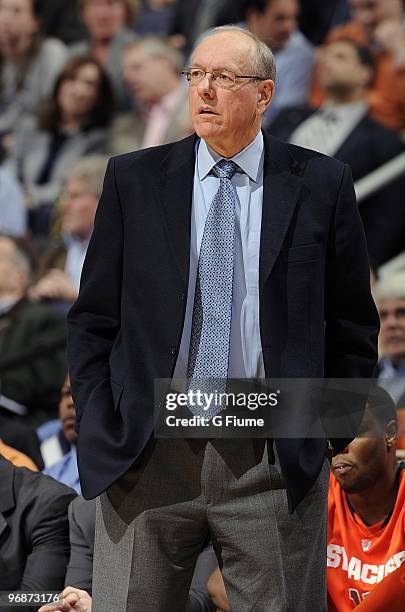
[
  {"x": 48, "y": 537},
  {"x": 351, "y": 318},
  {"x": 94, "y": 319},
  {"x": 80, "y": 567}
]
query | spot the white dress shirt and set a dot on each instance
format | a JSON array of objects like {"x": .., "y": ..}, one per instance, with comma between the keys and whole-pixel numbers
[{"x": 245, "y": 359}]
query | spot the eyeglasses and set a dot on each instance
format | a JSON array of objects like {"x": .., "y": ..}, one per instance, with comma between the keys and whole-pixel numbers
[{"x": 221, "y": 78}]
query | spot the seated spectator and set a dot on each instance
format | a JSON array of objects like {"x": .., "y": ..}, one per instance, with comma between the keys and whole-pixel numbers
[
  {"x": 342, "y": 128},
  {"x": 109, "y": 29},
  {"x": 32, "y": 340},
  {"x": 60, "y": 19},
  {"x": 151, "y": 69},
  {"x": 366, "y": 512},
  {"x": 82, "y": 517},
  {"x": 34, "y": 544},
  {"x": 275, "y": 22},
  {"x": 380, "y": 25},
  {"x": 72, "y": 125},
  {"x": 13, "y": 213},
  {"x": 29, "y": 63},
  {"x": 16, "y": 457},
  {"x": 65, "y": 470},
  {"x": 389, "y": 294},
  {"x": 63, "y": 262}
]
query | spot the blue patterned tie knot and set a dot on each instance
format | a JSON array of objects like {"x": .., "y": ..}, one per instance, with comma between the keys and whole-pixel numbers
[{"x": 225, "y": 168}]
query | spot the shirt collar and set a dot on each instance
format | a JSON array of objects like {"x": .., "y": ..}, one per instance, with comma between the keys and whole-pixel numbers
[
  {"x": 387, "y": 370},
  {"x": 250, "y": 159}
]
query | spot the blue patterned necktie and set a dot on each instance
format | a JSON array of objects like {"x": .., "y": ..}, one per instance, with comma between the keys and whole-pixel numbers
[{"x": 212, "y": 313}]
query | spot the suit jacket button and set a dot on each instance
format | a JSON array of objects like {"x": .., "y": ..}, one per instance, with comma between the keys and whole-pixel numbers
[
  {"x": 174, "y": 349},
  {"x": 183, "y": 297}
]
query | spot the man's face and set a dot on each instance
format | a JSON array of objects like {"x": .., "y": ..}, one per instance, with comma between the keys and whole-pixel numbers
[
  {"x": 276, "y": 24},
  {"x": 67, "y": 412},
  {"x": 145, "y": 76},
  {"x": 364, "y": 460},
  {"x": 227, "y": 119},
  {"x": 79, "y": 206},
  {"x": 392, "y": 334},
  {"x": 341, "y": 67},
  {"x": 17, "y": 25},
  {"x": 12, "y": 279},
  {"x": 104, "y": 18}
]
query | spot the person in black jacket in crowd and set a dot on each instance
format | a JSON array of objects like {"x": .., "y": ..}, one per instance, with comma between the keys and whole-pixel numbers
[
  {"x": 32, "y": 343},
  {"x": 34, "y": 530},
  {"x": 342, "y": 128}
]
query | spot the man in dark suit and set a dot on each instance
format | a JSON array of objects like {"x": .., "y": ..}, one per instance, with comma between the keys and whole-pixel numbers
[
  {"x": 32, "y": 342},
  {"x": 270, "y": 233},
  {"x": 34, "y": 530},
  {"x": 343, "y": 129}
]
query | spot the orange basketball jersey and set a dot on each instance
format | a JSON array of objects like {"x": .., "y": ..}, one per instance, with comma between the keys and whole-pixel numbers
[{"x": 359, "y": 556}]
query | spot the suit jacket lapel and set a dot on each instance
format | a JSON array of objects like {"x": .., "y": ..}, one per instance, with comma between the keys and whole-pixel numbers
[
  {"x": 281, "y": 190},
  {"x": 176, "y": 193}
]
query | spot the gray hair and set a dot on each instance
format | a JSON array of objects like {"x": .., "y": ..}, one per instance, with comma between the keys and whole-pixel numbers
[
  {"x": 91, "y": 170},
  {"x": 390, "y": 286},
  {"x": 263, "y": 64},
  {"x": 159, "y": 47}
]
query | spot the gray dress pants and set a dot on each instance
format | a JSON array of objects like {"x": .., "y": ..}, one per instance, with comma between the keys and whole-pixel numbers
[{"x": 153, "y": 522}]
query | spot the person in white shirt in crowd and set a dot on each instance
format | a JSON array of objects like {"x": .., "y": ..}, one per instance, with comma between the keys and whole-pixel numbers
[
  {"x": 152, "y": 73},
  {"x": 343, "y": 128},
  {"x": 62, "y": 264},
  {"x": 29, "y": 63}
]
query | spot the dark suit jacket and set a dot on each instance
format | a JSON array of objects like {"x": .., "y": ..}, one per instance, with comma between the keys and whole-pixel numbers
[
  {"x": 317, "y": 316},
  {"x": 33, "y": 338},
  {"x": 368, "y": 146},
  {"x": 34, "y": 531}
]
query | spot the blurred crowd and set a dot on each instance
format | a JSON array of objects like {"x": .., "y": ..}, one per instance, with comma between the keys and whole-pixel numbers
[{"x": 81, "y": 80}]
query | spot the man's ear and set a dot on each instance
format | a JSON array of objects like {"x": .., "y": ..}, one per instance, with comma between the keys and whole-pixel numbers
[
  {"x": 391, "y": 430},
  {"x": 266, "y": 91}
]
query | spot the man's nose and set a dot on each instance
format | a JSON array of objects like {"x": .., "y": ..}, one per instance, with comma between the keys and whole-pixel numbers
[
  {"x": 206, "y": 88},
  {"x": 390, "y": 321}
]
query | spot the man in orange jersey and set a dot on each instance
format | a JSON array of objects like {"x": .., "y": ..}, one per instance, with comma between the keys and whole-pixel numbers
[{"x": 366, "y": 510}]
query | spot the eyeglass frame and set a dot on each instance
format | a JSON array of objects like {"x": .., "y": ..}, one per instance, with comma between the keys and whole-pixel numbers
[{"x": 235, "y": 76}]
